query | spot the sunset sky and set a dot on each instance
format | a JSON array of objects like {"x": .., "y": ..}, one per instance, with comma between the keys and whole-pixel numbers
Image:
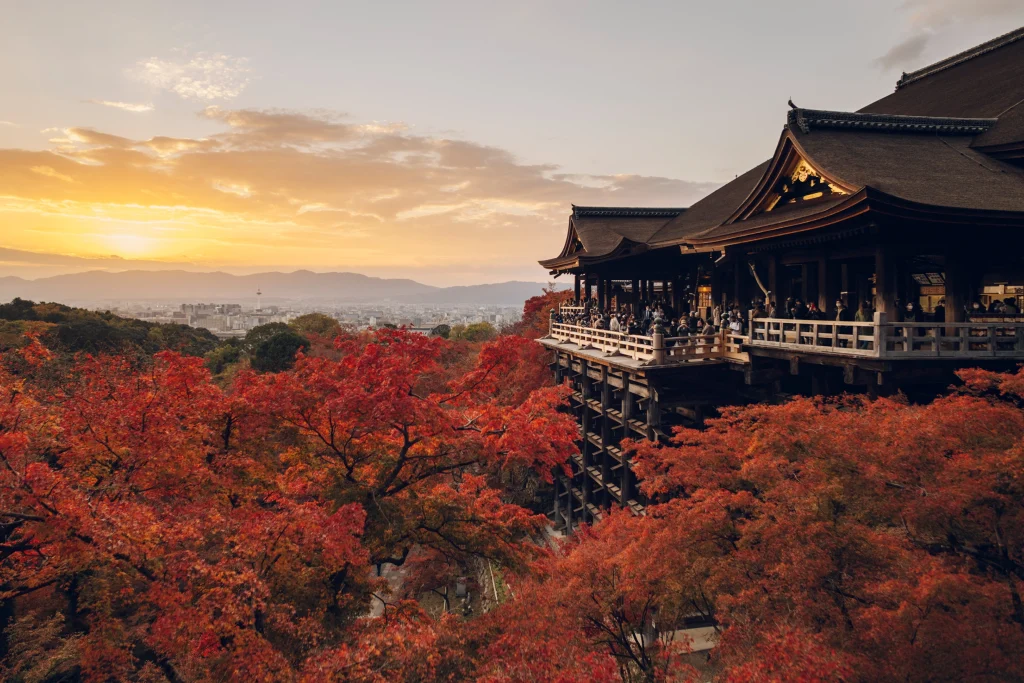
[{"x": 442, "y": 141}]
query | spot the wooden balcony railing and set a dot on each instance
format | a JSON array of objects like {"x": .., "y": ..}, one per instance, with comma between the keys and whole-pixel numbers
[
  {"x": 656, "y": 349},
  {"x": 898, "y": 340},
  {"x": 876, "y": 339}
]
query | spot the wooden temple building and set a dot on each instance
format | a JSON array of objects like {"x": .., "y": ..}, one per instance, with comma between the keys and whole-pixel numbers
[{"x": 917, "y": 199}]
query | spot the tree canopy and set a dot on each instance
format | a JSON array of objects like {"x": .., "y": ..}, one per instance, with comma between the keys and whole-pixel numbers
[
  {"x": 72, "y": 330},
  {"x": 158, "y": 526},
  {"x": 317, "y": 324}
]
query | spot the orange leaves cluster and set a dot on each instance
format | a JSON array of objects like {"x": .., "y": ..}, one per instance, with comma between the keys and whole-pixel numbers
[
  {"x": 839, "y": 540},
  {"x": 185, "y": 532}
]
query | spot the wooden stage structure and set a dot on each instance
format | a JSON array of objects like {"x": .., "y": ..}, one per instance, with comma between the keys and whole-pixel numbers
[{"x": 910, "y": 211}]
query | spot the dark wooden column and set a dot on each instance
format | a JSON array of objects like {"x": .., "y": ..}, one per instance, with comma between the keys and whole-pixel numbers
[
  {"x": 653, "y": 411},
  {"x": 957, "y": 295},
  {"x": 587, "y": 446},
  {"x": 773, "y": 280},
  {"x": 716, "y": 285},
  {"x": 737, "y": 282},
  {"x": 576, "y": 287},
  {"x": 600, "y": 292},
  {"x": 885, "y": 281},
  {"x": 557, "y": 511},
  {"x": 627, "y": 415},
  {"x": 636, "y": 295},
  {"x": 823, "y": 302},
  {"x": 606, "y": 428}
]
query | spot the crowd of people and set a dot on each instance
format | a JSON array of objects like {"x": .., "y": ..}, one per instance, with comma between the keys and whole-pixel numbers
[
  {"x": 649, "y": 316},
  {"x": 658, "y": 313}
]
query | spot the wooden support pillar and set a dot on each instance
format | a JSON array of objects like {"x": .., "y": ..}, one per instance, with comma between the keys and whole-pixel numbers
[
  {"x": 773, "y": 280},
  {"x": 635, "y": 295},
  {"x": 576, "y": 287},
  {"x": 627, "y": 415},
  {"x": 606, "y": 428},
  {"x": 844, "y": 287},
  {"x": 823, "y": 302},
  {"x": 717, "y": 295},
  {"x": 885, "y": 281},
  {"x": 587, "y": 446},
  {"x": 653, "y": 412},
  {"x": 569, "y": 509},
  {"x": 557, "y": 510},
  {"x": 558, "y": 368},
  {"x": 957, "y": 299},
  {"x": 737, "y": 283},
  {"x": 600, "y": 293}
]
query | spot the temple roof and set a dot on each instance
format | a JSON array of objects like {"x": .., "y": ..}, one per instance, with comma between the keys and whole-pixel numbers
[
  {"x": 930, "y": 144},
  {"x": 806, "y": 119},
  {"x": 939, "y": 170},
  {"x": 983, "y": 82},
  {"x": 712, "y": 210},
  {"x": 599, "y": 231}
]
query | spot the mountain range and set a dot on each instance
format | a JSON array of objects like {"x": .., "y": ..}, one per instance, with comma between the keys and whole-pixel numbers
[{"x": 99, "y": 286}]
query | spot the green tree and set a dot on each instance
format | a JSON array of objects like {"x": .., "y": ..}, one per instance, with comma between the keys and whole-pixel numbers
[
  {"x": 477, "y": 332},
  {"x": 316, "y": 324},
  {"x": 443, "y": 331},
  {"x": 218, "y": 360},
  {"x": 277, "y": 353},
  {"x": 261, "y": 333}
]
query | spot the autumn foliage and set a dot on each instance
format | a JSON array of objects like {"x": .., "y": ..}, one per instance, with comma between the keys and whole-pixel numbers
[
  {"x": 156, "y": 526},
  {"x": 827, "y": 540},
  {"x": 176, "y": 531}
]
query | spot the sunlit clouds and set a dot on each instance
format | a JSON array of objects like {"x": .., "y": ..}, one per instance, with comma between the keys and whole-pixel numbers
[
  {"x": 135, "y": 108},
  {"x": 202, "y": 76},
  {"x": 300, "y": 189}
]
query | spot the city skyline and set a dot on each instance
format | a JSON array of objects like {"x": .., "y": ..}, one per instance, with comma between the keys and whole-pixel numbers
[{"x": 443, "y": 145}]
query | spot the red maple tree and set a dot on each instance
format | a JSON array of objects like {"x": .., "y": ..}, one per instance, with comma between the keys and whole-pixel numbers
[{"x": 181, "y": 532}]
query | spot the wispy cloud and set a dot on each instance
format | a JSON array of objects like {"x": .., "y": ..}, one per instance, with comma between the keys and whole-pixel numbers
[
  {"x": 203, "y": 76},
  {"x": 905, "y": 52},
  {"x": 8, "y": 123},
  {"x": 126, "y": 106},
  {"x": 49, "y": 172},
  {"x": 927, "y": 19}
]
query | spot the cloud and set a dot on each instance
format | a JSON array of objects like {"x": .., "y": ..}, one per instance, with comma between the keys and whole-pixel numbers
[
  {"x": 927, "y": 19},
  {"x": 202, "y": 76},
  {"x": 126, "y": 106},
  {"x": 8, "y": 123},
  {"x": 50, "y": 173},
  {"x": 309, "y": 189},
  {"x": 934, "y": 13},
  {"x": 904, "y": 53}
]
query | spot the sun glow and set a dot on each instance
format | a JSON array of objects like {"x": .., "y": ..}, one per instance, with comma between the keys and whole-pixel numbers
[{"x": 129, "y": 245}]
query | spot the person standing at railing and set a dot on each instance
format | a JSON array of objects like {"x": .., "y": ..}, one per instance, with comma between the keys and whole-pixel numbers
[
  {"x": 843, "y": 315},
  {"x": 977, "y": 310},
  {"x": 865, "y": 312},
  {"x": 613, "y": 324},
  {"x": 799, "y": 310}
]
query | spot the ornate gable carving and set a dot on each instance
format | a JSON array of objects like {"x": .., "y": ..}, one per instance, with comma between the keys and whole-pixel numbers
[{"x": 801, "y": 183}]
